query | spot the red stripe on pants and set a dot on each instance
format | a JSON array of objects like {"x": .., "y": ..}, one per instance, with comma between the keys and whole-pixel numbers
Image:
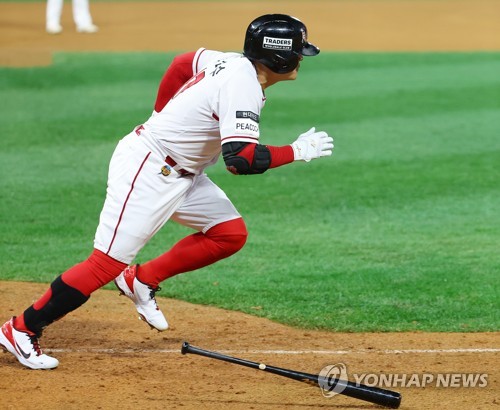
[{"x": 125, "y": 203}]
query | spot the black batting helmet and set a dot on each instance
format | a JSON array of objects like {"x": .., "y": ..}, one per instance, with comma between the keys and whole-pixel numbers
[{"x": 278, "y": 41}]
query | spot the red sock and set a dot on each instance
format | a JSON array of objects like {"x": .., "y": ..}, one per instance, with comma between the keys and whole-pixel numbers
[
  {"x": 93, "y": 273},
  {"x": 86, "y": 277},
  {"x": 20, "y": 325},
  {"x": 19, "y": 320},
  {"x": 196, "y": 251}
]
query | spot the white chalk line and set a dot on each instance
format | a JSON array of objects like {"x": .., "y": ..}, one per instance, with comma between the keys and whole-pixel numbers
[{"x": 283, "y": 352}]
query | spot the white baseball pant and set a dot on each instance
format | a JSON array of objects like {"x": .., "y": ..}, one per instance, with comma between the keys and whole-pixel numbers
[{"x": 140, "y": 199}]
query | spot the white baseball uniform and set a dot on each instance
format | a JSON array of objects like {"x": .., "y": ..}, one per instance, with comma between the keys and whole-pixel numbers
[{"x": 157, "y": 171}]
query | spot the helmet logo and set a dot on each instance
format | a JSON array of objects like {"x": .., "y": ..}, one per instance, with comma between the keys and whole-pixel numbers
[
  {"x": 304, "y": 35},
  {"x": 277, "y": 43}
]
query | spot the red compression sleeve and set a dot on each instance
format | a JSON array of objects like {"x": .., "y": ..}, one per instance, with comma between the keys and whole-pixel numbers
[
  {"x": 92, "y": 273},
  {"x": 279, "y": 155},
  {"x": 195, "y": 251},
  {"x": 177, "y": 74}
]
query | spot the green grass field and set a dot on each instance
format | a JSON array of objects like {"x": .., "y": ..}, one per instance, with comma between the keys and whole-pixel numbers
[{"x": 399, "y": 230}]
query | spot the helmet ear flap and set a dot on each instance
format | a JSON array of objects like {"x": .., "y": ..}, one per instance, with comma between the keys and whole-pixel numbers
[{"x": 287, "y": 64}]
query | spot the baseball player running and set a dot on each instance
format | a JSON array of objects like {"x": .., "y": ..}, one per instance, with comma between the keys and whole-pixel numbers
[{"x": 208, "y": 104}]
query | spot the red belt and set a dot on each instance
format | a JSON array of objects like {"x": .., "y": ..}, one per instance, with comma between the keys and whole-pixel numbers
[{"x": 169, "y": 160}]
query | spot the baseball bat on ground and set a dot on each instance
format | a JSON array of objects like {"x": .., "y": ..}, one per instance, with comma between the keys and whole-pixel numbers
[{"x": 374, "y": 395}]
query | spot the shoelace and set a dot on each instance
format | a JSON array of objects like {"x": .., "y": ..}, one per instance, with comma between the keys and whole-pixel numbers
[
  {"x": 152, "y": 295},
  {"x": 36, "y": 345}
]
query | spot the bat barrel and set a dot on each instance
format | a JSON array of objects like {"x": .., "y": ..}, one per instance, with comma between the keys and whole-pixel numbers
[{"x": 375, "y": 395}]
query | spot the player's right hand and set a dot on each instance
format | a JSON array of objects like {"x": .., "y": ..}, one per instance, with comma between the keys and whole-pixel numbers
[{"x": 311, "y": 145}]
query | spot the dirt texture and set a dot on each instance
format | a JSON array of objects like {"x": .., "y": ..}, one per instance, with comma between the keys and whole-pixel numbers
[
  {"x": 109, "y": 359},
  {"x": 356, "y": 25}
]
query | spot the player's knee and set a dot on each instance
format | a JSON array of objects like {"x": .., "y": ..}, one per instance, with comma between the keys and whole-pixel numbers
[
  {"x": 230, "y": 236},
  {"x": 239, "y": 233},
  {"x": 235, "y": 237},
  {"x": 237, "y": 240}
]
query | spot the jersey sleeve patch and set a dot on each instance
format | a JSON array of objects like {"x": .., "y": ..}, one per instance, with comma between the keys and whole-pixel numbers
[
  {"x": 247, "y": 128},
  {"x": 248, "y": 115}
]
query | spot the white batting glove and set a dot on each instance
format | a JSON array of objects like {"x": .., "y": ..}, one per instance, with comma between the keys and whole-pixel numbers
[{"x": 311, "y": 145}]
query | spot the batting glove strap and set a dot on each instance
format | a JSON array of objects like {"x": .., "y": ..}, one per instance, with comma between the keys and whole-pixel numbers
[{"x": 311, "y": 145}]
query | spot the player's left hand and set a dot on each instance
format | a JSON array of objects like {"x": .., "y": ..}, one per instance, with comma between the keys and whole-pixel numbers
[{"x": 311, "y": 145}]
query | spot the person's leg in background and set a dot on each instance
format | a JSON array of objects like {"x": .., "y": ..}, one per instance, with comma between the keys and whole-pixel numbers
[
  {"x": 83, "y": 18},
  {"x": 53, "y": 16}
]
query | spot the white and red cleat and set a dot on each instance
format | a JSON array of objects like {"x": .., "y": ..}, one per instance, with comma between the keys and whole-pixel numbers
[
  {"x": 25, "y": 347},
  {"x": 143, "y": 297}
]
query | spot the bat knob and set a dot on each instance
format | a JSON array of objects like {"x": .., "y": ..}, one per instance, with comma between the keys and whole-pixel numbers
[{"x": 185, "y": 348}]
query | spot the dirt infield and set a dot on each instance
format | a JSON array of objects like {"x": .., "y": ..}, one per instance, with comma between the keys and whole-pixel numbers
[
  {"x": 373, "y": 25},
  {"x": 111, "y": 360}
]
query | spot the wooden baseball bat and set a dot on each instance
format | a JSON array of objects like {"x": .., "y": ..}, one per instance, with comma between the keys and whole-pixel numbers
[{"x": 374, "y": 395}]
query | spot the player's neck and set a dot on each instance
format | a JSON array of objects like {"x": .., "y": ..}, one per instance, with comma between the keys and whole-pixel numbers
[{"x": 267, "y": 78}]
